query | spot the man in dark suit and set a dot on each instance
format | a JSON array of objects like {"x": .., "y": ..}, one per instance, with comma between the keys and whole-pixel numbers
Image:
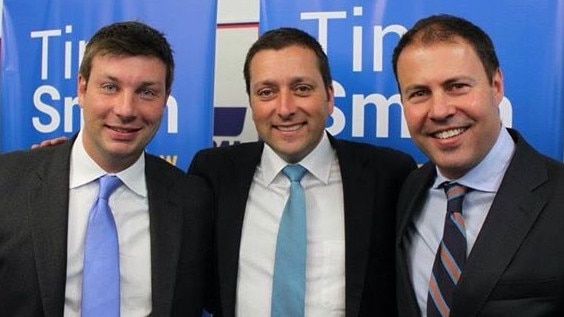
[
  {"x": 510, "y": 259},
  {"x": 350, "y": 192},
  {"x": 163, "y": 218}
]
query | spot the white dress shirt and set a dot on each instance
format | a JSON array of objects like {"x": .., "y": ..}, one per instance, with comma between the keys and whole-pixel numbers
[
  {"x": 325, "y": 263},
  {"x": 425, "y": 235},
  {"x": 130, "y": 207}
]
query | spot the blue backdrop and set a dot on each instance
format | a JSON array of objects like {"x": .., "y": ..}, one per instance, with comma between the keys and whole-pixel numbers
[
  {"x": 43, "y": 42},
  {"x": 359, "y": 37}
]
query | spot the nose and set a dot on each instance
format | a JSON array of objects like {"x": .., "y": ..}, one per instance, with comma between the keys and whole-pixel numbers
[
  {"x": 286, "y": 104},
  {"x": 125, "y": 106},
  {"x": 441, "y": 107}
]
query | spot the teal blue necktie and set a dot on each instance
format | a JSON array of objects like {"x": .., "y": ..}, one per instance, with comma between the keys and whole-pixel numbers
[
  {"x": 100, "y": 285},
  {"x": 288, "y": 286}
]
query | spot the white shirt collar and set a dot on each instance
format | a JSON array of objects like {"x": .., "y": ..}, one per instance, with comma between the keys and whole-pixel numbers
[
  {"x": 84, "y": 170},
  {"x": 318, "y": 162},
  {"x": 488, "y": 174}
]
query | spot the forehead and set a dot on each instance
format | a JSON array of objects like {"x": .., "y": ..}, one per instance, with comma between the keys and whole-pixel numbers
[
  {"x": 419, "y": 41},
  {"x": 296, "y": 60},
  {"x": 129, "y": 66},
  {"x": 436, "y": 58},
  {"x": 453, "y": 43}
]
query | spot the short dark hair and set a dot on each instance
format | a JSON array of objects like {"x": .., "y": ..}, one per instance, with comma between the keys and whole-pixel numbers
[
  {"x": 284, "y": 37},
  {"x": 130, "y": 38},
  {"x": 445, "y": 28}
]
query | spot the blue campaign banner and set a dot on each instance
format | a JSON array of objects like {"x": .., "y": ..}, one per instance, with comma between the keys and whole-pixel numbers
[
  {"x": 359, "y": 38},
  {"x": 42, "y": 45}
]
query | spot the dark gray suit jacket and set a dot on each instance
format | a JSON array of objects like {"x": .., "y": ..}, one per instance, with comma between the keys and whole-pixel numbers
[
  {"x": 371, "y": 177},
  {"x": 516, "y": 267},
  {"x": 34, "y": 195}
]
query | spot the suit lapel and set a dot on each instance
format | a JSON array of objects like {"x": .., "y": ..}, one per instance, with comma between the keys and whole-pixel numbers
[
  {"x": 233, "y": 194},
  {"x": 48, "y": 214},
  {"x": 358, "y": 206},
  {"x": 412, "y": 195},
  {"x": 513, "y": 212},
  {"x": 410, "y": 203},
  {"x": 165, "y": 229}
]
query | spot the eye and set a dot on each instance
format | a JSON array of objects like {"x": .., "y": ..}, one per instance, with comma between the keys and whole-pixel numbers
[
  {"x": 458, "y": 87},
  {"x": 109, "y": 87},
  {"x": 147, "y": 93},
  {"x": 418, "y": 95},
  {"x": 455, "y": 86},
  {"x": 265, "y": 93},
  {"x": 303, "y": 90}
]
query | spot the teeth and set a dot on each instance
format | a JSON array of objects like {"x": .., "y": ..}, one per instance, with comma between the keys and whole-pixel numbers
[
  {"x": 289, "y": 128},
  {"x": 449, "y": 133},
  {"x": 121, "y": 130}
]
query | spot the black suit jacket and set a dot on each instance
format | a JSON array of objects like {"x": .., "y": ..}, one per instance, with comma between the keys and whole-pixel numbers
[
  {"x": 516, "y": 267},
  {"x": 371, "y": 179},
  {"x": 34, "y": 195}
]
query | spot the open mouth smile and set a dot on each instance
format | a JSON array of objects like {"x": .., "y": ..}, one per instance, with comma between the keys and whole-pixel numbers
[
  {"x": 449, "y": 133},
  {"x": 290, "y": 128}
]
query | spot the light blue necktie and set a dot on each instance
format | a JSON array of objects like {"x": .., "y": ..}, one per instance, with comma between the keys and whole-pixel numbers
[
  {"x": 100, "y": 285},
  {"x": 288, "y": 286}
]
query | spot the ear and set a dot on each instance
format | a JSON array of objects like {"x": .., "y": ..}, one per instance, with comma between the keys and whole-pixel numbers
[
  {"x": 497, "y": 85},
  {"x": 81, "y": 88},
  {"x": 330, "y": 99}
]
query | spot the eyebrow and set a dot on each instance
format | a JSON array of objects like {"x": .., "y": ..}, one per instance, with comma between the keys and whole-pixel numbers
[
  {"x": 293, "y": 81},
  {"x": 144, "y": 83},
  {"x": 301, "y": 79},
  {"x": 447, "y": 82},
  {"x": 414, "y": 87},
  {"x": 457, "y": 79}
]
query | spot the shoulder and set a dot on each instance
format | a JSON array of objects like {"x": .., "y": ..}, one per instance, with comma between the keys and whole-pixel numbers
[
  {"x": 15, "y": 165},
  {"x": 211, "y": 160},
  {"x": 228, "y": 151},
  {"x": 381, "y": 155},
  {"x": 22, "y": 171},
  {"x": 37, "y": 159},
  {"x": 27, "y": 156},
  {"x": 161, "y": 173},
  {"x": 13, "y": 157},
  {"x": 528, "y": 158},
  {"x": 421, "y": 176},
  {"x": 157, "y": 166}
]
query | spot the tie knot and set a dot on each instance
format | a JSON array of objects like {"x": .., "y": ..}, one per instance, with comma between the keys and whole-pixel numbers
[
  {"x": 454, "y": 190},
  {"x": 294, "y": 172},
  {"x": 108, "y": 184}
]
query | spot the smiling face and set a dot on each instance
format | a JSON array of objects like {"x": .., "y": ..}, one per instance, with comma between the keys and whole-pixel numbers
[
  {"x": 289, "y": 101},
  {"x": 450, "y": 106},
  {"x": 122, "y": 102}
]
